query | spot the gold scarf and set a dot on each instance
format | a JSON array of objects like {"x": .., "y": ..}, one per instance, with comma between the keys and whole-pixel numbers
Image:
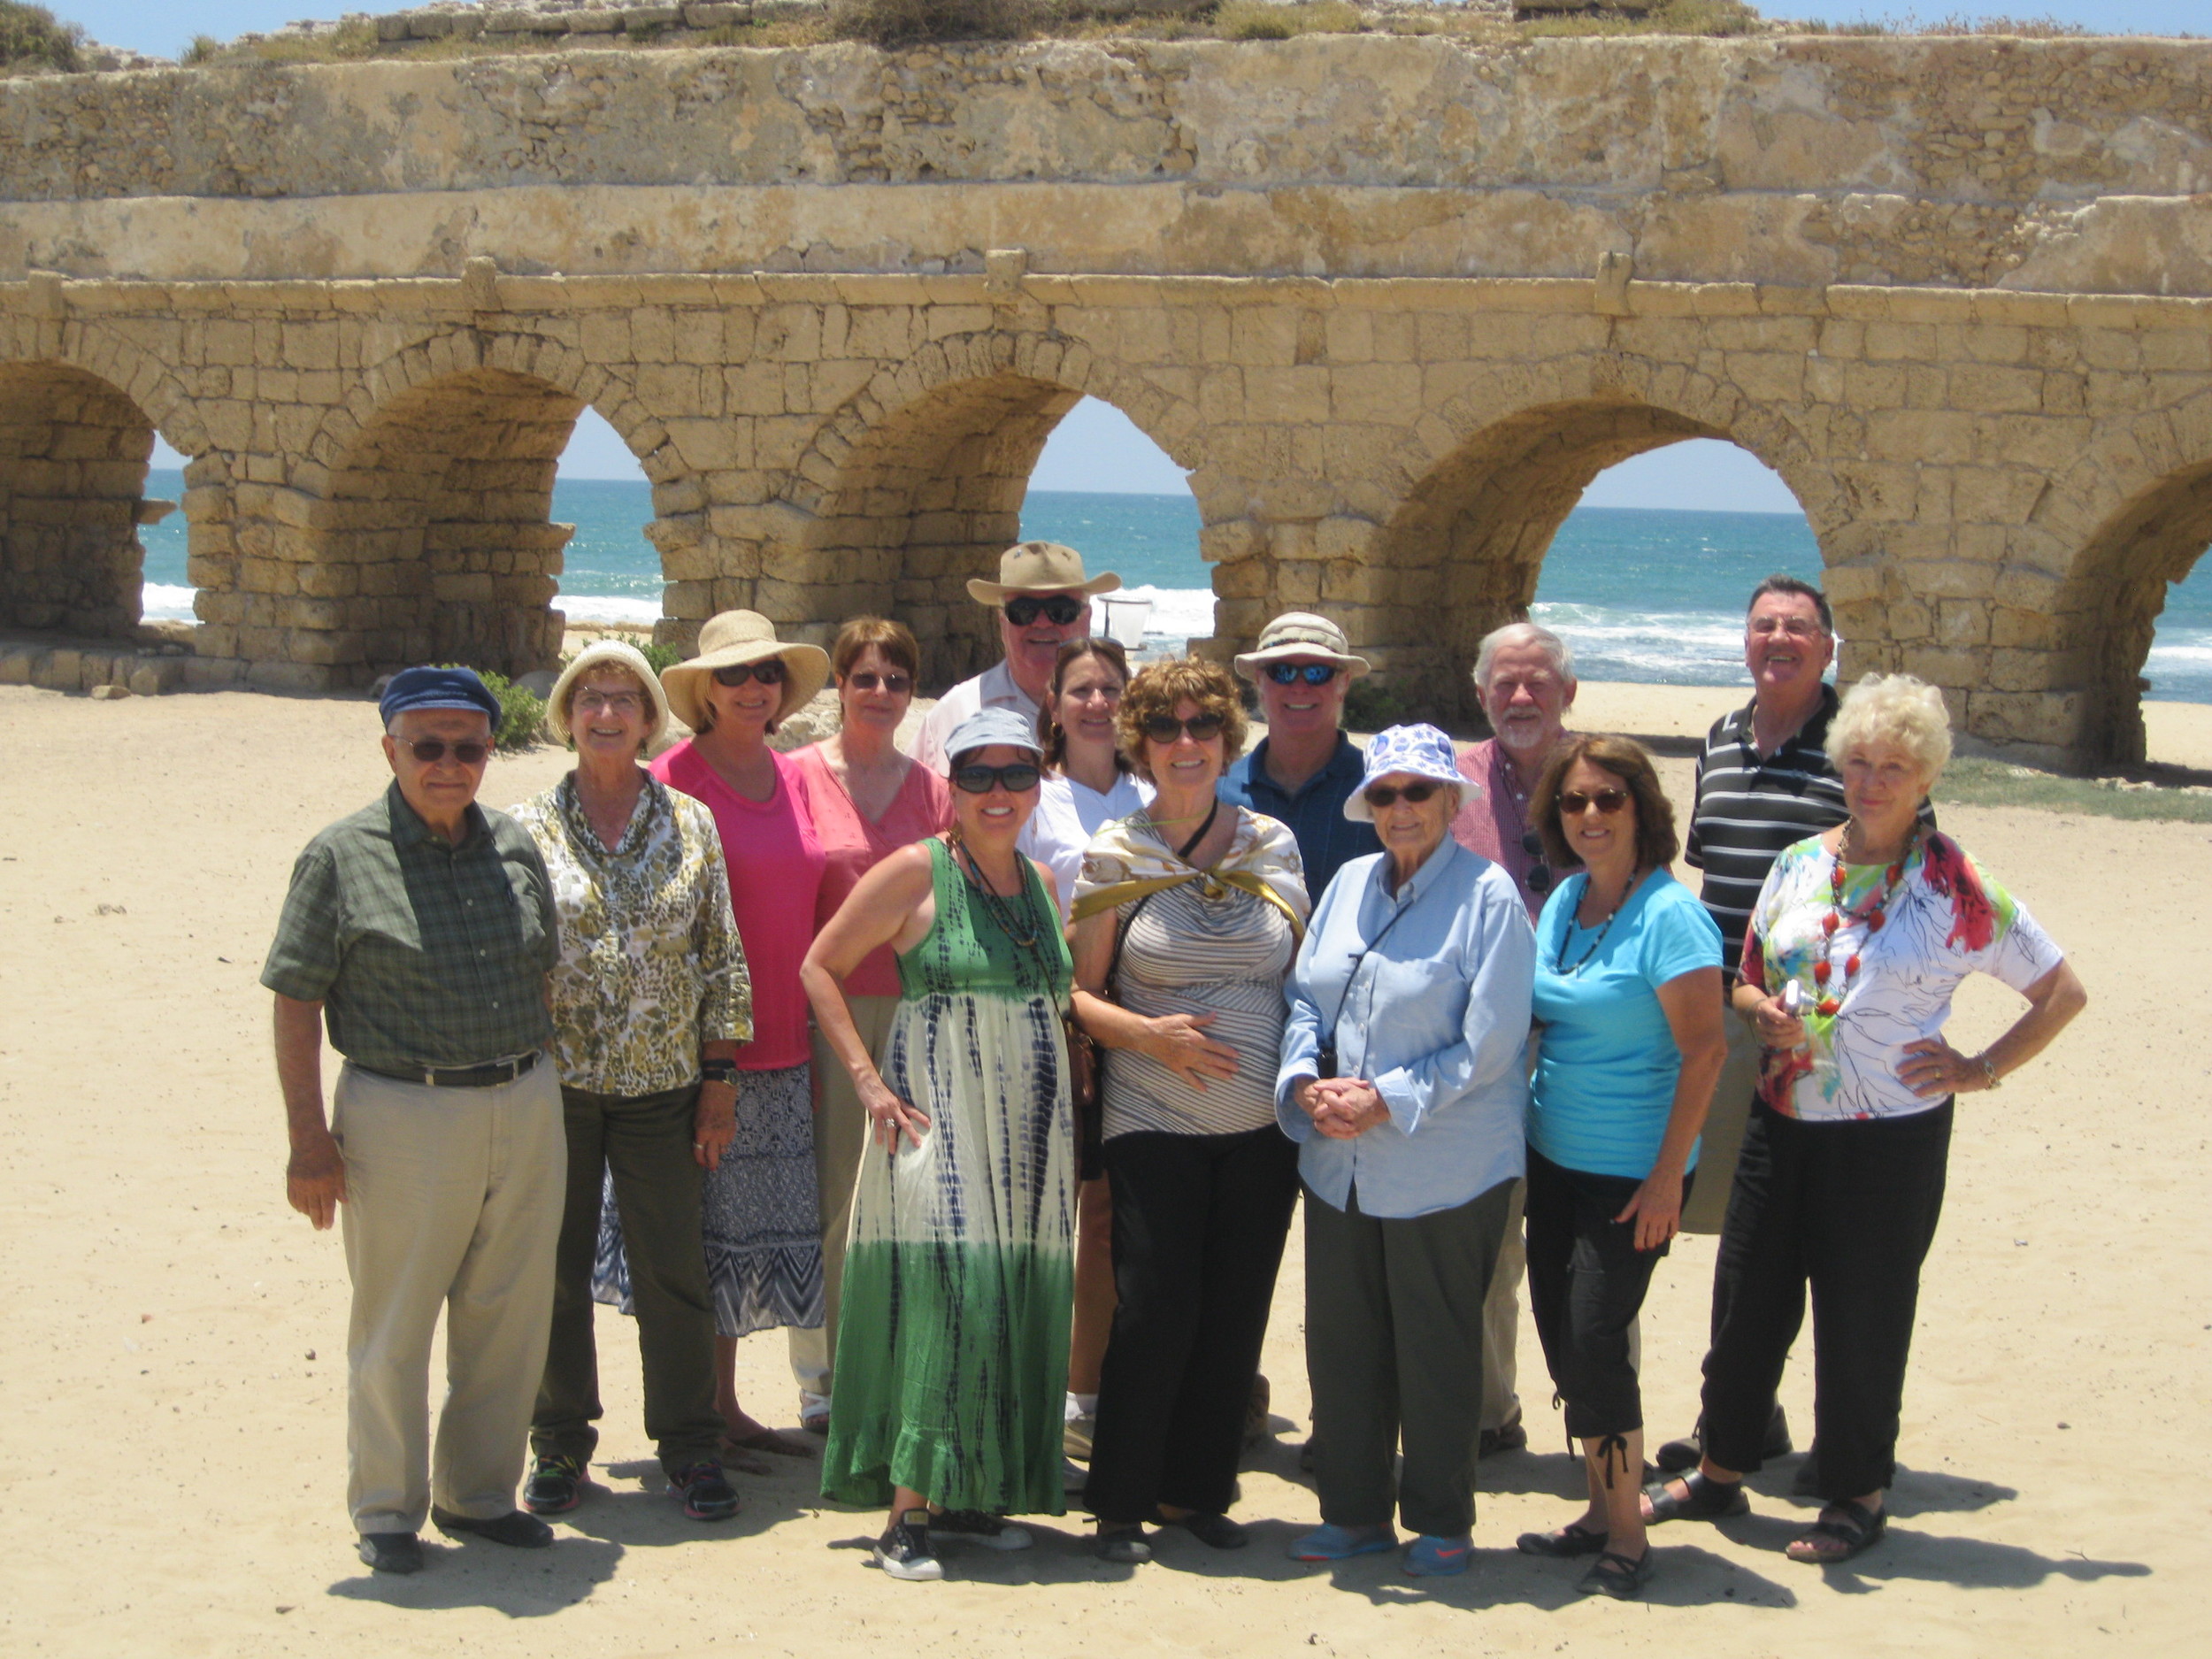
[{"x": 1128, "y": 861}]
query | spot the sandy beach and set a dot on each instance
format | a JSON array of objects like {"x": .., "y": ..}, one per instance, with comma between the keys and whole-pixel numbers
[{"x": 172, "y": 1450}]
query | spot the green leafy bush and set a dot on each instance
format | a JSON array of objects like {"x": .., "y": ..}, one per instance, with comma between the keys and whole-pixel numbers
[
  {"x": 521, "y": 710},
  {"x": 1369, "y": 707},
  {"x": 908, "y": 22},
  {"x": 29, "y": 34}
]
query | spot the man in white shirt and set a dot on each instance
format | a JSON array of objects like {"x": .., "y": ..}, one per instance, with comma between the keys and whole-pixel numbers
[{"x": 1043, "y": 599}]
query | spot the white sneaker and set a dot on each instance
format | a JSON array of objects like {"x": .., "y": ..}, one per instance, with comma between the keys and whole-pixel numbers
[{"x": 973, "y": 1526}]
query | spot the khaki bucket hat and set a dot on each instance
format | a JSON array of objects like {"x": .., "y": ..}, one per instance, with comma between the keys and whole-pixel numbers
[
  {"x": 1302, "y": 634},
  {"x": 742, "y": 636},
  {"x": 607, "y": 654}
]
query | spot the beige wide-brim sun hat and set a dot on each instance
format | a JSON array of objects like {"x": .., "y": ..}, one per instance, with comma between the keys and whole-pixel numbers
[
  {"x": 607, "y": 654},
  {"x": 1039, "y": 567},
  {"x": 1303, "y": 634},
  {"x": 742, "y": 636}
]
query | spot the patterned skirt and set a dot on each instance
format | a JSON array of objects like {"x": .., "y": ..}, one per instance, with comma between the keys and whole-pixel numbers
[
  {"x": 761, "y": 1216},
  {"x": 952, "y": 1335}
]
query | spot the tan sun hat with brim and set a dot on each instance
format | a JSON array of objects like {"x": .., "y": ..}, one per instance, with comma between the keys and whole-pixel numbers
[
  {"x": 1039, "y": 567},
  {"x": 1303, "y": 634},
  {"x": 742, "y": 636},
  {"x": 607, "y": 654}
]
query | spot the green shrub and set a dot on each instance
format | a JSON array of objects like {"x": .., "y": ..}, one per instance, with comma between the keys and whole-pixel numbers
[
  {"x": 29, "y": 34},
  {"x": 521, "y": 710},
  {"x": 200, "y": 50},
  {"x": 1257, "y": 21},
  {"x": 1369, "y": 707},
  {"x": 908, "y": 22}
]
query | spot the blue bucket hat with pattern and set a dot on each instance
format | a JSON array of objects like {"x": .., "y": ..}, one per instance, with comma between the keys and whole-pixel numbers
[{"x": 1422, "y": 750}]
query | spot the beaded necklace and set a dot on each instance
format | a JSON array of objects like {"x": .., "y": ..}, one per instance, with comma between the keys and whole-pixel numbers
[
  {"x": 1873, "y": 915},
  {"x": 1559, "y": 963},
  {"x": 1001, "y": 908}
]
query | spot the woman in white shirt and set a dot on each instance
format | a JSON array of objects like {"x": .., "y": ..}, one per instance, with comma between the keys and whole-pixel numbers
[{"x": 1088, "y": 785}]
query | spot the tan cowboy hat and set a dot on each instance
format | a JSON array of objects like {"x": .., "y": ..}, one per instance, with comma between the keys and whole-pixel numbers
[
  {"x": 607, "y": 654},
  {"x": 1302, "y": 634},
  {"x": 742, "y": 636},
  {"x": 1039, "y": 567}
]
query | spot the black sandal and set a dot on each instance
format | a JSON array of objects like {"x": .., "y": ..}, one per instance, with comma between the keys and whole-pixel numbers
[
  {"x": 1854, "y": 1526},
  {"x": 1571, "y": 1540},
  {"x": 1703, "y": 1499},
  {"x": 1617, "y": 1576}
]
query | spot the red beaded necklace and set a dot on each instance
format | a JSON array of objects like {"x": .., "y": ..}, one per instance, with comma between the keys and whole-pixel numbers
[{"x": 1872, "y": 915}]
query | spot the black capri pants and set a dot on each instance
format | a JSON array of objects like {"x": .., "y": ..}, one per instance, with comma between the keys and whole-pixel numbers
[{"x": 1586, "y": 1281}]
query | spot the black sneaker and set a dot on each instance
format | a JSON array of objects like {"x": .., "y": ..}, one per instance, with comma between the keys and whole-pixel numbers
[
  {"x": 556, "y": 1485},
  {"x": 707, "y": 1493},
  {"x": 903, "y": 1550},
  {"x": 974, "y": 1526}
]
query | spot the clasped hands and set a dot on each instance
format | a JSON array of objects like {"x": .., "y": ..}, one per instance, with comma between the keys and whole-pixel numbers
[{"x": 1342, "y": 1108}]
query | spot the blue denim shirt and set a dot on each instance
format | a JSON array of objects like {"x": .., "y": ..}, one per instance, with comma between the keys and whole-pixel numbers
[
  {"x": 1325, "y": 837},
  {"x": 1436, "y": 1016}
]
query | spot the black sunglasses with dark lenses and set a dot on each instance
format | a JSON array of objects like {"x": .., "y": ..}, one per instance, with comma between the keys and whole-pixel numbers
[
  {"x": 1539, "y": 876},
  {"x": 1385, "y": 794},
  {"x": 770, "y": 671},
  {"x": 430, "y": 752},
  {"x": 1291, "y": 673},
  {"x": 1166, "y": 728},
  {"x": 1016, "y": 778},
  {"x": 1059, "y": 609},
  {"x": 868, "y": 680},
  {"x": 1574, "y": 803}
]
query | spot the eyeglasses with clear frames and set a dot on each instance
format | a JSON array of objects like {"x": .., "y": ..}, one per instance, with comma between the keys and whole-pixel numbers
[{"x": 1794, "y": 627}]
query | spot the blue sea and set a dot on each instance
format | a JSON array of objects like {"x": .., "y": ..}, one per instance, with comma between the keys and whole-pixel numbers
[{"x": 1688, "y": 571}]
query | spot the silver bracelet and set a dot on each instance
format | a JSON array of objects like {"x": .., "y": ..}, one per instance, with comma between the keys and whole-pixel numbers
[{"x": 1989, "y": 1071}]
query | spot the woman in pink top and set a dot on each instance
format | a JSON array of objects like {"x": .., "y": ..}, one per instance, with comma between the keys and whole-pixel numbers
[
  {"x": 867, "y": 801},
  {"x": 763, "y": 1222}
]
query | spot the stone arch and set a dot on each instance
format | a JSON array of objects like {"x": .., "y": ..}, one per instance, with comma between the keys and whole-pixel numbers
[
  {"x": 1462, "y": 553},
  {"x": 430, "y": 532},
  {"x": 80, "y": 406},
  {"x": 916, "y": 485}
]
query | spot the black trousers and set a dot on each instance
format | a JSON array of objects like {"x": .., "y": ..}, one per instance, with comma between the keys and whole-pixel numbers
[
  {"x": 1394, "y": 1351},
  {"x": 1199, "y": 1224},
  {"x": 1850, "y": 1209},
  {"x": 1586, "y": 1281},
  {"x": 645, "y": 1141}
]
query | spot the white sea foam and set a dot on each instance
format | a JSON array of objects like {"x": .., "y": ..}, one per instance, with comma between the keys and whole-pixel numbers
[{"x": 159, "y": 601}]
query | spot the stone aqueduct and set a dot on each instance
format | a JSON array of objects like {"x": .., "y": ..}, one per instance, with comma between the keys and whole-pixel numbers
[{"x": 1393, "y": 301}]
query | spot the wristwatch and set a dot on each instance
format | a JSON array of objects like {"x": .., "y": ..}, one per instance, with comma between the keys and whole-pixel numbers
[{"x": 718, "y": 1071}]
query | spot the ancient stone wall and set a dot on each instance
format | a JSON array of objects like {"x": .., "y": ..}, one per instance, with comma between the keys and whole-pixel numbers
[{"x": 1393, "y": 302}]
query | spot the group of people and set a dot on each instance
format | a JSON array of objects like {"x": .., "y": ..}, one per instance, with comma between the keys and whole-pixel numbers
[{"x": 995, "y": 1075}]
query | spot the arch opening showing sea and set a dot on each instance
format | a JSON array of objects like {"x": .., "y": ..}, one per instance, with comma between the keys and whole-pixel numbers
[{"x": 1646, "y": 595}]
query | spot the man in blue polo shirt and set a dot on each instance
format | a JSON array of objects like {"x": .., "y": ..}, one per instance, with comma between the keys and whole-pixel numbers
[{"x": 1305, "y": 768}]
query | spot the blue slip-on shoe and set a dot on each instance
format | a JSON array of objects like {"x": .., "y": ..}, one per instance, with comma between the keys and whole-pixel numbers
[
  {"x": 1434, "y": 1557},
  {"x": 1328, "y": 1542}
]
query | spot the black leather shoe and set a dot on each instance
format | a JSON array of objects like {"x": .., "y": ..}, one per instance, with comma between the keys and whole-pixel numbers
[
  {"x": 390, "y": 1552},
  {"x": 1688, "y": 1452},
  {"x": 1806, "y": 1482},
  {"x": 1507, "y": 1437},
  {"x": 514, "y": 1529}
]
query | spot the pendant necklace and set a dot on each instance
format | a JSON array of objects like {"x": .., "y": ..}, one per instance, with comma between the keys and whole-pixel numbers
[
  {"x": 1872, "y": 915},
  {"x": 1001, "y": 910},
  {"x": 1559, "y": 962}
]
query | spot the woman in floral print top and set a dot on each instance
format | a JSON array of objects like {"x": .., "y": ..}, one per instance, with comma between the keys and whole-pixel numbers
[{"x": 650, "y": 1000}]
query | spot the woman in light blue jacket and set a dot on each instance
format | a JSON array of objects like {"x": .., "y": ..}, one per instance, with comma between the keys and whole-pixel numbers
[{"x": 1405, "y": 1080}]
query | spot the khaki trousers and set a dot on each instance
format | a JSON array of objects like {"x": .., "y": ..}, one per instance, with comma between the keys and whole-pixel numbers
[
  {"x": 453, "y": 1201},
  {"x": 841, "y": 1135},
  {"x": 1723, "y": 1128},
  {"x": 1501, "y": 1320}
]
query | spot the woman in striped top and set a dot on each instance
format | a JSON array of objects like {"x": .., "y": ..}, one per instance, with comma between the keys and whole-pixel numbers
[{"x": 1187, "y": 916}]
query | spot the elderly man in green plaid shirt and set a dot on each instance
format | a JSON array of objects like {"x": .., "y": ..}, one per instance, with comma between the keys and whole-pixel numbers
[{"x": 421, "y": 931}]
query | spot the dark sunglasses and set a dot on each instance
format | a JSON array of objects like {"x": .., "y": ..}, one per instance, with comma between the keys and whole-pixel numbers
[
  {"x": 430, "y": 752},
  {"x": 1166, "y": 728},
  {"x": 1016, "y": 778},
  {"x": 1385, "y": 794},
  {"x": 1291, "y": 673},
  {"x": 770, "y": 671},
  {"x": 868, "y": 680},
  {"x": 1574, "y": 803},
  {"x": 1059, "y": 609},
  {"x": 1539, "y": 876}
]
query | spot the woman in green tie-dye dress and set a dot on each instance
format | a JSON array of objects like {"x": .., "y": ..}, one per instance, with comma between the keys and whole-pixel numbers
[{"x": 959, "y": 1275}]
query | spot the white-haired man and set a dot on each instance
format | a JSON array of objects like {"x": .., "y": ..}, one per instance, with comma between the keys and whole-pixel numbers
[{"x": 1525, "y": 680}]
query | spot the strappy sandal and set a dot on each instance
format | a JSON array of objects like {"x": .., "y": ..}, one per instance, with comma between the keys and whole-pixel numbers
[
  {"x": 1703, "y": 1499},
  {"x": 1571, "y": 1540},
  {"x": 1617, "y": 1576},
  {"x": 1850, "y": 1524}
]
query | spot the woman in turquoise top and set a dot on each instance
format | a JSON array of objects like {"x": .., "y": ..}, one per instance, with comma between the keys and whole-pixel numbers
[
  {"x": 1629, "y": 1042},
  {"x": 952, "y": 1345}
]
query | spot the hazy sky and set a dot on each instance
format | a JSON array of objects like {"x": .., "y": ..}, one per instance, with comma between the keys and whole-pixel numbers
[{"x": 164, "y": 28}]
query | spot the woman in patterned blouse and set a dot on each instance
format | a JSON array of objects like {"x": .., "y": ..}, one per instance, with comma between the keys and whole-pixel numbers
[{"x": 650, "y": 1001}]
